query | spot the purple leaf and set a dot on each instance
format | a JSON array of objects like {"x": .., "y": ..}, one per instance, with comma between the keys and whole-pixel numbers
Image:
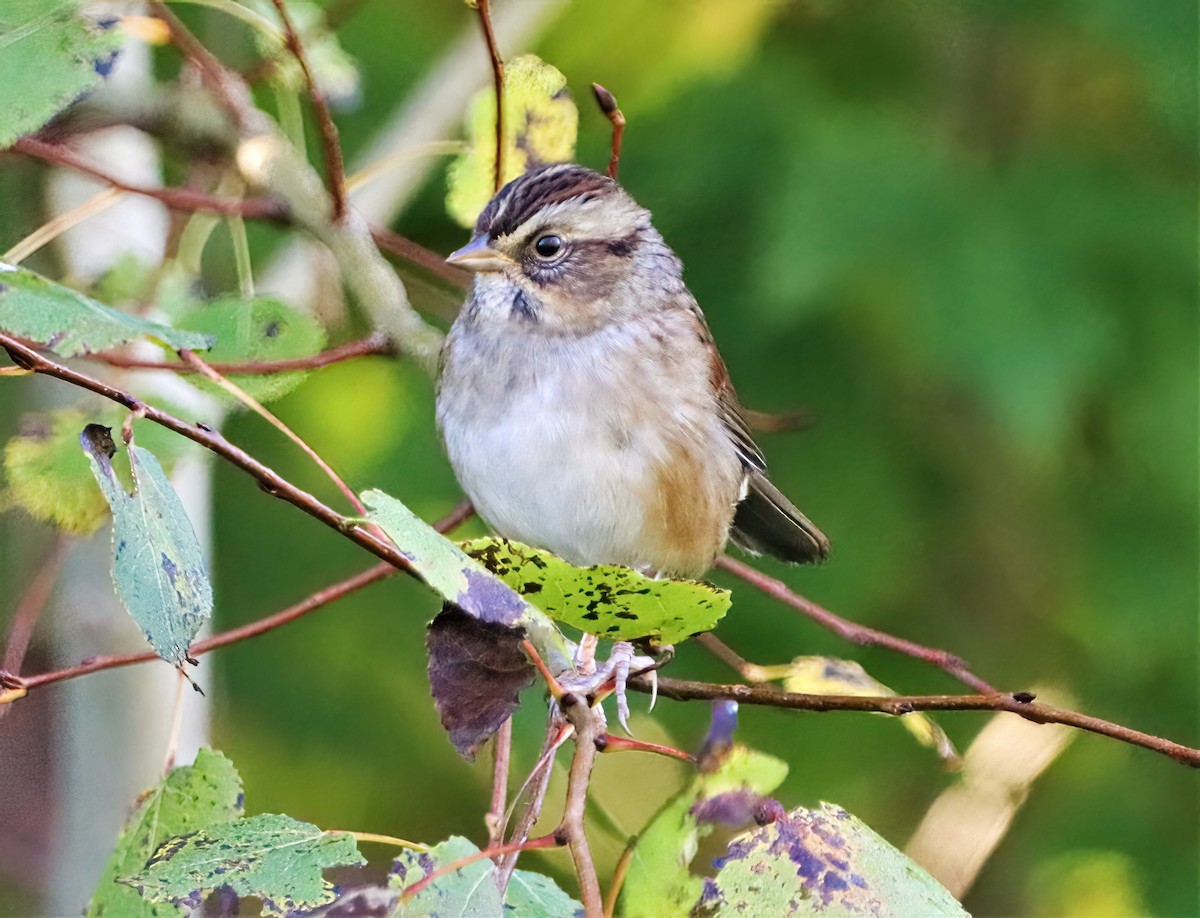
[{"x": 476, "y": 672}]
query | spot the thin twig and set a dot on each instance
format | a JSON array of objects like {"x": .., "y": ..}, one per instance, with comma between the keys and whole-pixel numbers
[
  {"x": 374, "y": 345},
  {"x": 311, "y": 603},
  {"x": 1019, "y": 703},
  {"x": 269, "y": 480},
  {"x": 571, "y": 829},
  {"x": 533, "y": 844},
  {"x": 851, "y": 631},
  {"x": 726, "y": 654},
  {"x": 56, "y": 226},
  {"x": 230, "y": 90},
  {"x": 30, "y": 606},
  {"x": 182, "y": 199},
  {"x": 335, "y": 168},
  {"x": 618, "y": 880},
  {"x": 196, "y": 363},
  {"x": 502, "y": 758},
  {"x": 485, "y": 20},
  {"x": 410, "y": 251},
  {"x": 181, "y": 679},
  {"x": 187, "y": 200},
  {"x": 608, "y": 104},
  {"x": 233, "y": 636},
  {"x": 557, "y": 733}
]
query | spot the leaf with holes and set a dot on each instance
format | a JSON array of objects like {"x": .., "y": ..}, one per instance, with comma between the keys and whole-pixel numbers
[
  {"x": 158, "y": 568},
  {"x": 615, "y": 603},
  {"x": 49, "y": 56},
  {"x": 70, "y": 324},
  {"x": 279, "y": 859},
  {"x": 659, "y": 880},
  {"x": 256, "y": 331},
  {"x": 192, "y": 797},
  {"x": 540, "y": 125},
  {"x": 821, "y": 862},
  {"x": 471, "y": 890}
]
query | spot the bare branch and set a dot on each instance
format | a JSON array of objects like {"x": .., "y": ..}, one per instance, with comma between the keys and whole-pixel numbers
[
  {"x": 374, "y": 345},
  {"x": 1019, "y": 703},
  {"x": 410, "y": 251},
  {"x": 311, "y": 603},
  {"x": 196, "y": 363},
  {"x": 502, "y": 756},
  {"x": 335, "y": 168},
  {"x": 485, "y": 20},
  {"x": 851, "y": 631},
  {"x": 608, "y": 104},
  {"x": 183, "y": 199},
  {"x": 571, "y": 829}
]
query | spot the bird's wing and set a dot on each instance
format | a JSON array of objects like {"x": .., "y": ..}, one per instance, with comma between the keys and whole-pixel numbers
[{"x": 765, "y": 522}]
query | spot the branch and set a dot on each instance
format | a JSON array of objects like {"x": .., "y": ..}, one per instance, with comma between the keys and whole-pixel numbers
[
  {"x": 485, "y": 20},
  {"x": 198, "y": 364},
  {"x": 851, "y": 631},
  {"x": 260, "y": 208},
  {"x": 571, "y": 829},
  {"x": 1019, "y": 703},
  {"x": 269, "y": 480},
  {"x": 374, "y": 345},
  {"x": 502, "y": 757},
  {"x": 608, "y": 104},
  {"x": 335, "y": 168},
  {"x": 311, "y": 603},
  {"x": 183, "y": 199},
  {"x": 419, "y": 255}
]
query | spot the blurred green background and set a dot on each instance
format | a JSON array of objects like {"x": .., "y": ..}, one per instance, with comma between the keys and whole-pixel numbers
[{"x": 960, "y": 236}]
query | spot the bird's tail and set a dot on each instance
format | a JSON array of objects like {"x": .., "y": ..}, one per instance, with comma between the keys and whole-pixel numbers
[{"x": 766, "y": 522}]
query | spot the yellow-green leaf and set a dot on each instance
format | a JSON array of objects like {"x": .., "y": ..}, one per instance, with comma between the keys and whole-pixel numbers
[
  {"x": 830, "y": 676},
  {"x": 47, "y": 476},
  {"x": 614, "y": 603},
  {"x": 540, "y": 126}
]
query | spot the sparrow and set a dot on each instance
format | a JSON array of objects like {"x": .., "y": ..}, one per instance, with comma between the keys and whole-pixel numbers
[{"x": 583, "y": 403}]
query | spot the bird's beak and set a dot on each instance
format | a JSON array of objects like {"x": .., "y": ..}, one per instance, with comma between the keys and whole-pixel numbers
[{"x": 477, "y": 255}]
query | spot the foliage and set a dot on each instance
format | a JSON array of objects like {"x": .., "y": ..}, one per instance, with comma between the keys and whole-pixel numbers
[
  {"x": 189, "y": 799},
  {"x": 614, "y": 603},
  {"x": 158, "y": 568},
  {"x": 70, "y": 323},
  {"x": 52, "y": 54},
  {"x": 959, "y": 237},
  {"x": 821, "y": 862},
  {"x": 540, "y": 122}
]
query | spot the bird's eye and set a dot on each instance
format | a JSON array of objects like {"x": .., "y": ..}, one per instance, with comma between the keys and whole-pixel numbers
[{"x": 548, "y": 246}]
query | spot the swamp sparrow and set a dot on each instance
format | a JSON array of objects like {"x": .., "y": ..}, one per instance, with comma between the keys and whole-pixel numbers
[{"x": 582, "y": 400}]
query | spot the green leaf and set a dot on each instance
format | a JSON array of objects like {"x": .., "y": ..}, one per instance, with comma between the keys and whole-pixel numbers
[
  {"x": 830, "y": 676},
  {"x": 614, "y": 603},
  {"x": 48, "y": 53},
  {"x": 70, "y": 323},
  {"x": 471, "y": 890},
  {"x": 258, "y": 330},
  {"x": 540, "y": 125},
  {"x": 277, "y": 858},
  {"x": 821, "y": 862},
  {"x": 462, "y": 580},
  {"x": 531, "y": 895},
  {"x": 48, "y": 477},
  {"x": 158, "y": 568},
  {"x": 191, "y": 798},
  {"x": 659, "y": 881}
]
